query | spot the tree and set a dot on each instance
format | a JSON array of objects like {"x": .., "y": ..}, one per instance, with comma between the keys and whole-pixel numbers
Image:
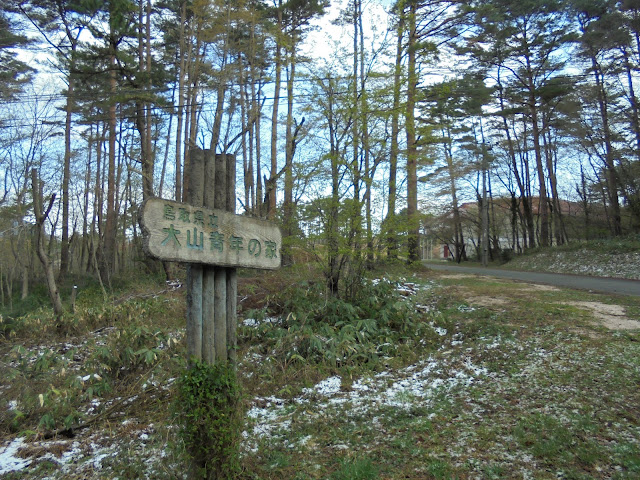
[
  {"x": 390, "y": 227},
  {"x": 14, "y": 73},
  {"x": 296, "y": 16},
  {"x": 61, "y": 22},
  {"x": 430, "y": 25},
  {"x": 102, "y": 63},
  {"x": 451, "y": 106},
  {"x": 25, "y": 140},
  {"x": 41, "y": 215},
  {"x": 598, "y": 36},
  {"x": 525, "y": 39},
  {"x": 336, "y": 118}
]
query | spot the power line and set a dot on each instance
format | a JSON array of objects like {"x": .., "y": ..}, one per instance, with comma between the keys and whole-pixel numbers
[{"x": 23, "y": 96}]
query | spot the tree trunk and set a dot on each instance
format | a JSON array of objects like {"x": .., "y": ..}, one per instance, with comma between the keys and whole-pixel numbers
[
  {"x": 543, "y": 209},
  {"x": 66, "y": 174},
  {"x": 40, "y": 217},
  {"x": 108, "y": 250},
  {"x": 143, "y": 118},
  {"x": 247, "y": 158},
  {"x": 391, "y": 228},
  {"x": 25, "y": 282},
  {"x": 288, "y": 206},
  {"x": 524, "y": 197},
  {"x": 181, "y": 72},
  {"x": 271, "y": 187},
  {"x": 457, "y": 224},
  {"x": 413, "y": 223},
  {"x": 364, "y": 114},
  {"x": 191, "y": 125},
  {"x": 611, "y": 175},
  {"x": 558, "y": 225},
  {"x": 333, "y": 246}
]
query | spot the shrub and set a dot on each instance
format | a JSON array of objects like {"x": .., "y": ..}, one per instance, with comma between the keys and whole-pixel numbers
[
  {"x": 318, "y": 327},
  {"x": 208, "y": 412}
]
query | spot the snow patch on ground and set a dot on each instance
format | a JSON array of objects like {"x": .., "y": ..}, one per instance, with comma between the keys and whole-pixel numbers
[
  {"x": 401, "y": 388},
  {"x": 254, "y": 322},
  {"x": 584, "y": 261},
  {"x": 9, "y": 461},
  {"x": 327, "y": 387}
]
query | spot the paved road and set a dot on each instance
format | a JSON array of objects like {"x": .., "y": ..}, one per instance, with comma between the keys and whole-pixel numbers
[{"x": 580, "y": 282}]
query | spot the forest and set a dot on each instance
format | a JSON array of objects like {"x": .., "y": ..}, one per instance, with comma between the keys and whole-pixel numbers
[{"x": 367, "y": 130}]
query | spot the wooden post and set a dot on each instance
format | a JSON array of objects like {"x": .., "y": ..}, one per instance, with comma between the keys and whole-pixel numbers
[
  {"x": 195, "y": 317},
  {"x": 220, "y": 321},
  {"x": 232, "y": 276},
  {"x": 194, "y": 311},
  {"x": 206, "y": 234},
  {"x": 211, "y": 290},
  {"x": 208, "y": 287},
  {"x": 208, "y": 312}
]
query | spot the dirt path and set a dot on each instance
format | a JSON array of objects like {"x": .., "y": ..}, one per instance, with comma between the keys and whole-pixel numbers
[{"x": 615, "y": 286}]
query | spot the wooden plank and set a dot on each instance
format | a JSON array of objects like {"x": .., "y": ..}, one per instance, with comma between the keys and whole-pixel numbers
[
  {"x": 232, "y": 316},
  {"x": 220, "y": 323},
  {"x": 195, "y": 194},
  {"x": 194, "y": 272},
  {"x": 209, "y": 180},
  {"x": 220, "y": 201},
  {"x": 208, "y": 315},
  {"x": 208, "y": 286},
  {"x": 194, "y": 311},
  {"x": 181, "y": 232},
  {"x": 232, "y": 274}
]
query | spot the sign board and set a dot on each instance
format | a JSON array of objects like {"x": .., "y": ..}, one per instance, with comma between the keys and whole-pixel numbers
[{"x": 179, "y": 232}]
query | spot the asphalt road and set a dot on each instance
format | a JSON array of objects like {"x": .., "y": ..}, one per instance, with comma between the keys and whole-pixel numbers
[{"x": 580, "y": 282}]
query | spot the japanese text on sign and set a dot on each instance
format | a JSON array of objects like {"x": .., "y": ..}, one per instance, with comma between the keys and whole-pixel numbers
[{"x": 180, "y": 232}]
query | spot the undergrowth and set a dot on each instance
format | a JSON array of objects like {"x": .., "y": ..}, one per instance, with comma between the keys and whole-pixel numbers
[
  {"x": 399, "y": 380},
  {"x": 315, "y": 327},
  {"x": 55, "y": 368},
  {"x": 208, "y": 411}
]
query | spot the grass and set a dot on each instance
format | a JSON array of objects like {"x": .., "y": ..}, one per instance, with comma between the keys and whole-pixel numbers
[{"x": 529, "y": 386}]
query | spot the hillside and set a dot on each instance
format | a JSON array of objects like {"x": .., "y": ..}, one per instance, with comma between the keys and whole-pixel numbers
[{"x": 605, "y": 258}]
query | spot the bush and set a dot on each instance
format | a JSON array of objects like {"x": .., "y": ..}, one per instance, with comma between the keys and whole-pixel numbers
[
  {"x": 210, "y": 419},
  {"x": 317, "y": 327}
]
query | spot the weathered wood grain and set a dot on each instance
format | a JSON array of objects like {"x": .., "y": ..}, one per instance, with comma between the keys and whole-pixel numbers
[
  {"x": 246, "y": 242},
  {"x": 195, "y": 319},
  {"x": 232, "y": 316}
]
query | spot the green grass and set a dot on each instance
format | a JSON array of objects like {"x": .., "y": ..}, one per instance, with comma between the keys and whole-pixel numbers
[
  {"x": 530, "y": 387},
  {"x": 355, "y": 469}
]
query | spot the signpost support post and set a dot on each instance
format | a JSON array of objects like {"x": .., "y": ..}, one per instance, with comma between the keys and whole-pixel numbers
[
  {"x": 207, "y": 235},
  {"x": 211, "y": 307}
]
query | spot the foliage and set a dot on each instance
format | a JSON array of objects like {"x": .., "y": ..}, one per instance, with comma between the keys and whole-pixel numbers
[
  {"x": 527, "y": 384},
  {"x": 208, "y": 411},
  {"x": 320, "y": 328},
  {"x": 130, "y": 348},
  {"x": 15, "y": 73},
  {"x": 126, "y": 344}
]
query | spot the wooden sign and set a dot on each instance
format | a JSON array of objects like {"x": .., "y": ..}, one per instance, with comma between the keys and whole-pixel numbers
[{"x": 179, "y": 232}]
